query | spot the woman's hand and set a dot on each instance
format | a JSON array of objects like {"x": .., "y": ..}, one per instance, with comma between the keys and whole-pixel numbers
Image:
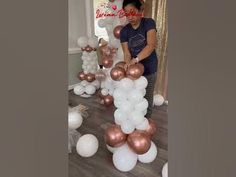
[{"x": 131, "y": 62}]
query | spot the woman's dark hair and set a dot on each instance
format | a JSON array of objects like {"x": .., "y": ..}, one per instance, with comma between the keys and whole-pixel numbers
[{"x": 137, "y": 3}]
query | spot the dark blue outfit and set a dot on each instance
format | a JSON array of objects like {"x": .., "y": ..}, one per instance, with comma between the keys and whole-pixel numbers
[{"x": 137, "y": 40}]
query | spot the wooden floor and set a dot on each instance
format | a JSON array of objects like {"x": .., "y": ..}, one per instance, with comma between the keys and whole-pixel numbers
[{"x": 100, "y": 165}]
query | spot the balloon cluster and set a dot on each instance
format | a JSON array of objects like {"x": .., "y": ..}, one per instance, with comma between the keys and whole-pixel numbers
[
  {"x": 86, "y": 145},
  {"x": 89, "y": 55},
  {"x": 88, "y": 84},
  {"x": 85, "y": 87},
  {"x": 130, "y": 137}
]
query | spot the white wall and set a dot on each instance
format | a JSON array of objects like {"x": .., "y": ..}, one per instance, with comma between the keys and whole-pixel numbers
[{"x": 77, "y": 21}]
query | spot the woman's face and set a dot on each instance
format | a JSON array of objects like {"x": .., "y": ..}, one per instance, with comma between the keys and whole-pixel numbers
[{"x": 133, "y": 14}]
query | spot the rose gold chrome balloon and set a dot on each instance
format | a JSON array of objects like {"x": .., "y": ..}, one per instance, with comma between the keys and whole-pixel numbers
[
  {"x": 107, "y": 62},
  {"x": 120, "y": 64},
  {"x": 88, "y": 49},
  {"x": 117, "y": 30},
  {"x": 139, "y": 142},
  {"x": 152, "y": 128},
  {"x": 114, "y": 136},
  {"x": 135, "y": 71},
  {"x": 81, "y": 76},
  {"x": 108, "y": 100},
  {"x": 117, "y": 73},
  {"x": 90, "y": 77},
  {"x": 100, "y": 75}
]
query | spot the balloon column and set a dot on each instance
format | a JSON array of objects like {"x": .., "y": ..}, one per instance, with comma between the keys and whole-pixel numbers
[
  {"x": 130, "y": 137},
  {"x": 88, "y": 84},
  {"x": 111, "y": 53}
]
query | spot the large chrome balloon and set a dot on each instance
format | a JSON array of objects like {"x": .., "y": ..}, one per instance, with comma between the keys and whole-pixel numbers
[
  {"x": 117, "y": 73},
  {"x": 114, "y": 136},
  {"x": 139, "y": 141}
]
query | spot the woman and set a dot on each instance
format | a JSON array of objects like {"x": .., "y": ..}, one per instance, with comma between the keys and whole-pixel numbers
[{"x": 138, "y": 40}]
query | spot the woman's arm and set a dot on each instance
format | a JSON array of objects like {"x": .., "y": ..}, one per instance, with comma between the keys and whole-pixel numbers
[{"x": 127, "y": 55}]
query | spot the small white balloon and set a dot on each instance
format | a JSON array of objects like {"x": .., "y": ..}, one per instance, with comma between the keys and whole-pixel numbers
[
  {"x": 84, "y": 83},
  {"x": 135, "y": 96},
  {"x": 127, "y": 106},
  {"x": 150, "y": 155},
  {"x": 137, "y": 117},
  {"x": 114, "y": 43},
  {"x": 120, "y": 116},
  {"x": 124, "y": 159},
  {"x": 104, "y": 92},
  {"x": 93, "y": 42},
  {"x": 79, "y": 90},
  {"x": 74, "y": 120},
  {"x": 101, "y": 23},
  {"x": 118, "y": 103},
  {"x": 143, "y": 92},
  {"x": 141, "y": 83},
  {"x": 127, "y": 126},
  {"x": 119, "y": 94},
  {"x": 87, "y": 145},
  {"x": 90, "y": 89},
  {"x": 165, "y": 170},
  {"x": 126, "y": 84},
  {"x": 109, "y": 28},
  {"x": 141, "y": 106},
  {"x": 86, "y": 72},
  {"x": 144, "y": 125},
  {"x": 111, "y": 91},
  {"x": 96, "y": 83},
  {"x": 111, "y": 149},
  {"x": 158, "y": 100},
  {"x": 82, "y": 42}
]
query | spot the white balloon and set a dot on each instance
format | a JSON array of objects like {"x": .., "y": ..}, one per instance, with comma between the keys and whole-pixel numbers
[
  {"x": 135, "y": 96},
  {"x": 144, "y": 112},
  {"x": 141, "y": 106},
  {"x": 79, "y": 90},
  {"x": 114, "y": 43},
  {"x": 120, "y": 116},
  {"x": 118, "y": 103},
  {"x": 104, "y": 92},
  {"x": 158, "y": 100},
  {"x": 82, "y": 41},
  {"x": 111, "y": 91},
  {"x": 109, "y": 20},
  {"x": 74, "y": 120},
  {"x": 141, "y": 83},
  {"x": 124, "y": 159},
  {"x": 143, "y": 91},
  {"x": 111, "y": 149},
  {"x": 101, "y": 23},
  {"x": 86, "y": 72},
  {"x": 119, "y": 94},
  {"x": 150, "y": 155},
  {"x": 126, "y": 106},
  {"x": 90, "y": 89},
  {"x": 137, "y": 117},
  {"x": 93, "y": 42},
  {"x": 143, "y": 126},
  {"x": 87, "y": 145},
  {"x": 126, "y": 84},
  {"x": 84, "y": 83},
  {"x": 109, "y": 28},
  {"x": 127, "y": 126},
  {"x": 165, "y": 170},
  {"x": 96, "y": 83}
]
